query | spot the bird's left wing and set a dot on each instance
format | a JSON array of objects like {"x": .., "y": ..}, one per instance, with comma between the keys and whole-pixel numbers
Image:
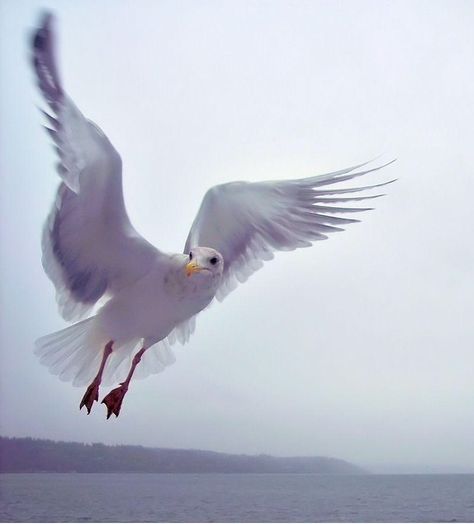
[
  {"x": 90, "y": 248},
  {"x": 248, "y": 222}
]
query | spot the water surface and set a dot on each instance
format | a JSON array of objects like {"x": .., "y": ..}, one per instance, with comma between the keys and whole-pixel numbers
[{"x": 235, "y": 498}]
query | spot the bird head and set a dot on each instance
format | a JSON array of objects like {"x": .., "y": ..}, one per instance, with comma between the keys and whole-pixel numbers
[{"x": 204, "y": 261}]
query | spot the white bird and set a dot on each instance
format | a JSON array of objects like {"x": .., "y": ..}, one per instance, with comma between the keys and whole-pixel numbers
[{"x": 92, "y": 253}]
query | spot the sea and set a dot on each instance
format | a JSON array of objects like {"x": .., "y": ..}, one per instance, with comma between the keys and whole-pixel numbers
[{"x": 81, "y": 497}]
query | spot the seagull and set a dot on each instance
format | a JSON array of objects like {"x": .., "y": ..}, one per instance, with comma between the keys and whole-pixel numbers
[{"x": 129, "y": 302}]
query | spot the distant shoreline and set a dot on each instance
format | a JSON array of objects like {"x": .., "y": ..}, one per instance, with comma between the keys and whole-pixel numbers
[{"x": 28, "y": 455}]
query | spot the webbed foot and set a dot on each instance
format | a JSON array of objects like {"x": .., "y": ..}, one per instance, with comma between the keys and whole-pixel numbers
[
  {"x": 91, "y": 395},
  {"x": 114, "y": 399}
]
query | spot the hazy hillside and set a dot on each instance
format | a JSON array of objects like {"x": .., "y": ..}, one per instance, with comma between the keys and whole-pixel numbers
[{"x": 20, "y": 455}]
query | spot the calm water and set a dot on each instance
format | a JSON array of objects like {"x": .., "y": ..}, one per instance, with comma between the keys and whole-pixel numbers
[{"x": 228, "y": 498}]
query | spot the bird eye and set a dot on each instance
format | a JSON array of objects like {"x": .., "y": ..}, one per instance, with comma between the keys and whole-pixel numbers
[
  {"x": 214, "y": 260},
  {"x": 190, "y": 255}
]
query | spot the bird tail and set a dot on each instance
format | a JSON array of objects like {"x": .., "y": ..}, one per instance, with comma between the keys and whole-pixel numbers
[
  {"x": 71, "y": 353},
  {"x": 74, "y": 355}
]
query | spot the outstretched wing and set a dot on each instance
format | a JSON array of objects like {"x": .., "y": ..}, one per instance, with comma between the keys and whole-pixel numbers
[
  {"x": 90, "y": 248},
  {"x": 248, "y": 222}
]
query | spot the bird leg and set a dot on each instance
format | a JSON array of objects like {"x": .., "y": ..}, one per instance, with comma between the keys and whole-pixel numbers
[
  {"x": 114, "y": 399},
  {"x": 92, "y": 393}
]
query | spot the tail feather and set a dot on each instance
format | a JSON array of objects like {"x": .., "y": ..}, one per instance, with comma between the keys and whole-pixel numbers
[
  {"x": 61, "y": 355},
  {"x": 62, "y": 351},
  {"x": 53, "y": 342},
  {"x": 74, "y": 354}
]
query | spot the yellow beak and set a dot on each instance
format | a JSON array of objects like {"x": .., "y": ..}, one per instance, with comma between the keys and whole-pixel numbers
[{"x": 192, "y": 267}]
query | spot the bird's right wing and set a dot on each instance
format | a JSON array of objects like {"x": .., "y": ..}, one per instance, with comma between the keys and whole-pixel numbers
[{"x": 90, "y": 247}]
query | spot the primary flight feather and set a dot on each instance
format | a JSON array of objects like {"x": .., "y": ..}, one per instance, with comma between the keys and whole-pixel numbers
[{"x": 92, "y": 252}]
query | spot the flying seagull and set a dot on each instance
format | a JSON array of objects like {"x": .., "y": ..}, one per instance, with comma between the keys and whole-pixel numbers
[{"x": 129, "y": 300}]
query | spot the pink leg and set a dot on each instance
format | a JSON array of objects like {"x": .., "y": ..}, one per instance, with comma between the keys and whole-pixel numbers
[
  {"x": 114, "y": 399},
  {"x": 92, "y": 393}
]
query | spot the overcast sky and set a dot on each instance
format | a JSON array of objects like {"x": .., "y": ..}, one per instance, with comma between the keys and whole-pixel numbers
[{"x": 360, "y": 347}]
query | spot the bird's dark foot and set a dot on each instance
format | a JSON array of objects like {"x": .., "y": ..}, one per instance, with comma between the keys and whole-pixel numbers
[
  {"x": 114, "y": 399},
  {"x": 91, "y": 395}
]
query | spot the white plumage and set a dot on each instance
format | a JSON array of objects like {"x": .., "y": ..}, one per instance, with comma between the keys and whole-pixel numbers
[{"x": 92, "y": 253}]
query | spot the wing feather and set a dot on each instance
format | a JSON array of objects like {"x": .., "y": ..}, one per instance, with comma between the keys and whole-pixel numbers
[
  {"x": 248, "y": 222},
  {"x": 90, "y": 248}
]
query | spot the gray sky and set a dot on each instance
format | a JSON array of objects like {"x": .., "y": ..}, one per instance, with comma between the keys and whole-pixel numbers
[{"x": 360, "y": 347}]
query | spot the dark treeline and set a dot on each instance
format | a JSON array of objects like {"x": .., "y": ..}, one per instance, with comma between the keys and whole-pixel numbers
[{"x": 26, "y": 455}]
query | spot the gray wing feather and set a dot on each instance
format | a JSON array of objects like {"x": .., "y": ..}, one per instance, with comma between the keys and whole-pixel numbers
[
  {"x": 248, "y": 222},
  {"x": 90, "y": 248}
]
